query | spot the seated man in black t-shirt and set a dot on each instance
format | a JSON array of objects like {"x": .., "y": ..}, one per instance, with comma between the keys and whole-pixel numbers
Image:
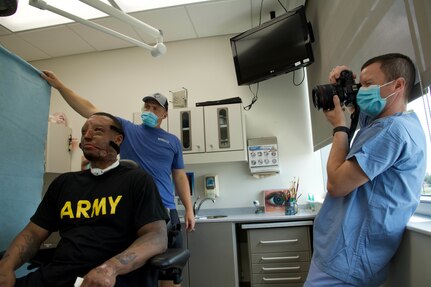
[{"x": 110, "y": 218}]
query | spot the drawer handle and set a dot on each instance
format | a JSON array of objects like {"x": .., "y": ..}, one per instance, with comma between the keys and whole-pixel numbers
[
  {"x": 280, "y": 268},
  {"x": 280, "y": 258},
  {"x": 279, "y": 241},
  {"x": 281, "y": 279}
]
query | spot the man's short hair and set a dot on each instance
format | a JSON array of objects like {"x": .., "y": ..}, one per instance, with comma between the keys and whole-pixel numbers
[{"x": 395, "y": 65}]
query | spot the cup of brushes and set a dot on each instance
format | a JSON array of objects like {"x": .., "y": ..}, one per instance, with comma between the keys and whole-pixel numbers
[{"x": 291, "y": 203}]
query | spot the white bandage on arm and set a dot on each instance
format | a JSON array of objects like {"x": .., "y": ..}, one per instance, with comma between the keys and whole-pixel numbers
[{"x": 78, "y": 282}]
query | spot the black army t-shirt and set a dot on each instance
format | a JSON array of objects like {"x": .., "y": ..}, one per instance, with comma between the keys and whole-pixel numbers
[{"x": 97, "y": 217}]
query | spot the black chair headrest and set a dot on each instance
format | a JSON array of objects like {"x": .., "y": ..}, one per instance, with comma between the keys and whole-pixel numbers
[{"x": 129, "y": 163}]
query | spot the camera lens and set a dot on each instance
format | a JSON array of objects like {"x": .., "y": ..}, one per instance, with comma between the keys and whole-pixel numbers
[
  {"x": 345, "y": 88},
  {"x": 322, "y": 96}
]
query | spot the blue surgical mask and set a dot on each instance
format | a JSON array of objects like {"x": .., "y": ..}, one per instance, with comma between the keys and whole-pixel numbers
[
  {"x": 369, "y": 100},
  {"x": 149, "y": 119}
]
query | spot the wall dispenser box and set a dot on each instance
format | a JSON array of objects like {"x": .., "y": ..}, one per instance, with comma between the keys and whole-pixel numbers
[
  {"x": 263, "y": 156},
  {"x": 179, "y": 98},
  {"x": 211, "y": 185}
]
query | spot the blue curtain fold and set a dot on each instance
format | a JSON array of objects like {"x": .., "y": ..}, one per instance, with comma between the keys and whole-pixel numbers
[{"x": 24, "y": 111}]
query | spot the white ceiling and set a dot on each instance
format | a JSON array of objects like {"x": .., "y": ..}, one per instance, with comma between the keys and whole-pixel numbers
[{"x": 206, "y": 19}]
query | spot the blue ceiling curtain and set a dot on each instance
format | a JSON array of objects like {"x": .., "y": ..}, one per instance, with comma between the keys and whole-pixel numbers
[{"x": 24, "y": 110}]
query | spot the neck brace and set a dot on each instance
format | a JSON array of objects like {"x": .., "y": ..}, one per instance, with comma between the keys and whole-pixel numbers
[{"x": 99, "y": 171}]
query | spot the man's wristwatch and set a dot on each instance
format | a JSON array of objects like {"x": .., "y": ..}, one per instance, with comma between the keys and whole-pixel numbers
[{"x": 340, "y": 129}]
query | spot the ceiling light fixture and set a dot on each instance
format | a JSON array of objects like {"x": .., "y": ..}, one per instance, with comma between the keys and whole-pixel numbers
[{"x": 156, "y": 50}]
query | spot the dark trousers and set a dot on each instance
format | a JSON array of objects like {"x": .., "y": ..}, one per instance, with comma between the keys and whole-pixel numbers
[
  {"x": 142, "y": 277},
  {"x": 175, "y": 238}
]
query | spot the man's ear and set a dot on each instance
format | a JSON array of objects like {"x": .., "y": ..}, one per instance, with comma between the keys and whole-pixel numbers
[
  {"x": 118, "y": 139},
  {"x": 400, "y": 83},
  {"x": 400, "y": 86}
]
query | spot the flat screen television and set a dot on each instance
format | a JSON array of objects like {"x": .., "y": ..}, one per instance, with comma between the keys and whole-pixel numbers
[{"x": 279, "y": 46}]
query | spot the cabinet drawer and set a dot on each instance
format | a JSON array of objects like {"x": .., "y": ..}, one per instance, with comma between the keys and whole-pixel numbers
[
  {"x": 279, "y": 278},
  {"x": 293, "y": 267},
  {"x": 278, "y": 257},
  {"x": 279, "y": 239}
]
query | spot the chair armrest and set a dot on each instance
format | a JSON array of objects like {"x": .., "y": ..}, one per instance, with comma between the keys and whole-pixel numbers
[{"x": 172, "y": 258}]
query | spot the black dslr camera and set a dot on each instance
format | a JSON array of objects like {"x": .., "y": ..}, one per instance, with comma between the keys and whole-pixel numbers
[{"x": 345, "y": 88}]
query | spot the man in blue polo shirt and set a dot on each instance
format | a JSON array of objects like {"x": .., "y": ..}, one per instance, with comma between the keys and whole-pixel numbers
[{"x": 373, "y": 186}]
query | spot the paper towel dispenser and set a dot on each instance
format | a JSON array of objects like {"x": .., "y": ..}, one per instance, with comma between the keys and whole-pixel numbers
[{"x": 263, "y": 156}]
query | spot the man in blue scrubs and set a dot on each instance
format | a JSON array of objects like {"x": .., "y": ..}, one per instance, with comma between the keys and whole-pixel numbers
[{"x": 374, "y": 185}]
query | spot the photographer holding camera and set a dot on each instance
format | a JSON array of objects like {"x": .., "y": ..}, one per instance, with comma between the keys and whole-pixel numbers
[{"x": 374, "y": 185}]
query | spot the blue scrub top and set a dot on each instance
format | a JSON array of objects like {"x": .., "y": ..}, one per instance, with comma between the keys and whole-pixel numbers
[{"x": 356, "y": 236}]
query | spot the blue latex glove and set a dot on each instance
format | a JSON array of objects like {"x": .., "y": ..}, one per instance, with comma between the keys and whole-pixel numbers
[{"x": 149, "y": 119}]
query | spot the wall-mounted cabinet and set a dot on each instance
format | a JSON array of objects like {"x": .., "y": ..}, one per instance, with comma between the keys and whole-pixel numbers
[
  {"x": 188, "y": 125},
  {"x": 224, "y": 128},
  {"x": 210, "y": 133},
  {"x": 58, "y": 149}
]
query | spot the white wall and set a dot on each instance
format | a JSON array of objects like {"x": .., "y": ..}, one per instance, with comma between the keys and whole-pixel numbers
[{"x": 116, "y": 81}]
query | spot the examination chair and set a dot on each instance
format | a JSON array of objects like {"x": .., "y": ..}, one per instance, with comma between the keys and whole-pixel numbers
[
  {"x": 171, "y": 263},
  {"x": 166, "y": 266}
]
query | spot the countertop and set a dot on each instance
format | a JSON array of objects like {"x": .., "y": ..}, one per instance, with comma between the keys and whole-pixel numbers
[
  {"x": 421, "y": 224},
  {"x": 238, "y": 215},
  {"x": 417, "y": 223}
]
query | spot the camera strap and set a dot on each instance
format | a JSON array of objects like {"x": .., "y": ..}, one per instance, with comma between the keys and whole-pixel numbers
[{"x": 354, "y": 119}]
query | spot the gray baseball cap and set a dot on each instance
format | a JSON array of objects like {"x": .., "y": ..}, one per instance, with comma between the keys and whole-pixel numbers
[{"x": 161, "y": 99}]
